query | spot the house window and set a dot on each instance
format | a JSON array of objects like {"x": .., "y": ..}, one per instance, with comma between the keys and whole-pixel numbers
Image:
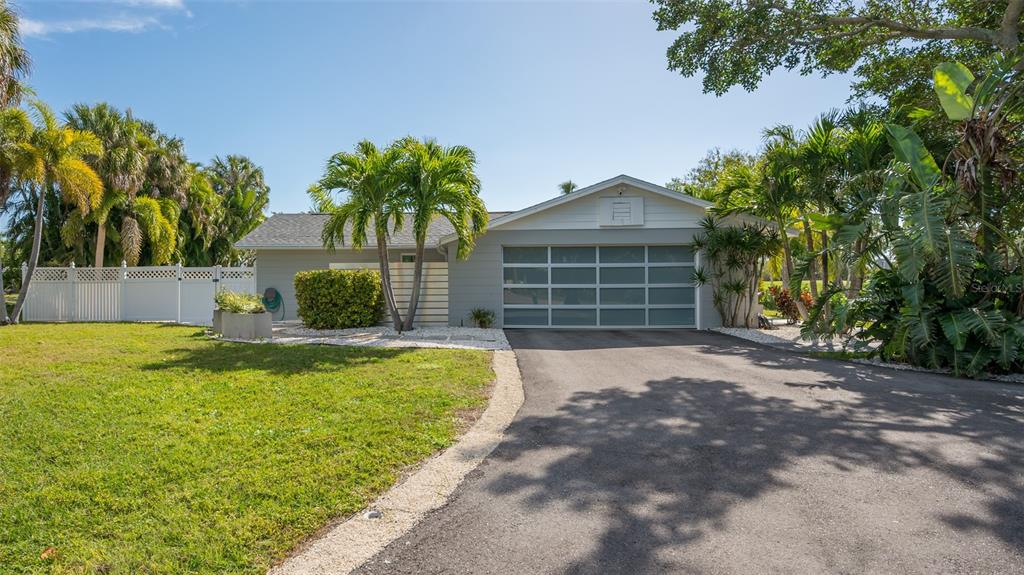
[{"x": 408, "y": 258}]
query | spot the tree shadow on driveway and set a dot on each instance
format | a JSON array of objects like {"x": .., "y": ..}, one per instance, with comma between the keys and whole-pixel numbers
[{"x": 825, "y": 446}]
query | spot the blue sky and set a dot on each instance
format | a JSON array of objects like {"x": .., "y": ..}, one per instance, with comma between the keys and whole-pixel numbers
[{"x": 542, "y": 91}]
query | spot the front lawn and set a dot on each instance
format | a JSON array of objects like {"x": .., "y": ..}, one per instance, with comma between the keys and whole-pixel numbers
[{"x": 128, "y": 448}]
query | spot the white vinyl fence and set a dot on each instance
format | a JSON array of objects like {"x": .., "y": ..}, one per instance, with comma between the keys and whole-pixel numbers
[{"x": 154, "y": 293}]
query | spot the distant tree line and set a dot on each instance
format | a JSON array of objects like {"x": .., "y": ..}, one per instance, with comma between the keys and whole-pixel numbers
[{"x": 96, "y": 186}]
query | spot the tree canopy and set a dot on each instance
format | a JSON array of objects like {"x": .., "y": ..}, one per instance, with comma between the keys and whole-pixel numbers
[{"x": 890, "y": 46}]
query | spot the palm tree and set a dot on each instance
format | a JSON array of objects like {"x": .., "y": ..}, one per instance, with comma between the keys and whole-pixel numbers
[
  {"x": 769, "y": 190},
  {"x": 200, "y": 224},
  {"x": 122, "y": 166},
  {"x": 14, "y": 59},
  {"x": 567, "y": 187},
  {"x": 52, "y": 160},
  {"x": 150, "y": 217},
  {"x": 820, "y": 161},
  {"x": 15, "y": 129},
  {"x": 244, "y": 196},
  {"x": 440, "y": 181},
  {"x": 370, "y": 178},
  {"x": 865, "y": 158}
]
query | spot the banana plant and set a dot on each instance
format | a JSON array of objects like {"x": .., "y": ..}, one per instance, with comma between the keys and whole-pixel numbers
[{"x": 949, "y": 293}]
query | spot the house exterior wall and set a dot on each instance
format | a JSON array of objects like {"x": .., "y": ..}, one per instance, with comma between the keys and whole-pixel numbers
[
  {"x": 476, "y": 281},
  {"x": 584, "y": 213},
  {"x": 276, "y": 268}
]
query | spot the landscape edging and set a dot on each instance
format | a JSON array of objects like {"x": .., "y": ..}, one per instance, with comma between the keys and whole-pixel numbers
[{"x": 349, "y": 544}]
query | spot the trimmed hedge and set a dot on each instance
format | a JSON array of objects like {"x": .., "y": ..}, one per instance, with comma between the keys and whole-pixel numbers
[{"x": 339, "y": 299}]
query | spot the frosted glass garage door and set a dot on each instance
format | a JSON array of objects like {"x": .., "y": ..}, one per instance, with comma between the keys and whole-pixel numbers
[{"x": 598, "y": 286}]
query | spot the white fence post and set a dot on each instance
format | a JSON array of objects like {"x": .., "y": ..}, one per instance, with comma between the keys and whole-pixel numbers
[
  {"x": 178, "y": 320},
  {"x": 216, "y": 279},
  {"x": 122, "y": 279},
  {"x": 24, "y": 272},
  {"x": 73, "y": 296}
]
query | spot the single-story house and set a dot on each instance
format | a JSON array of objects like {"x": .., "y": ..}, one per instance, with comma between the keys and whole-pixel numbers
[{"x": 616, "y": 254}]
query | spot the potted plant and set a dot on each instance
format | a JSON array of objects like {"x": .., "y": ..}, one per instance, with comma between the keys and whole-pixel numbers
[
  {"x": 241, "y": 316},
  {"x": 483, "y": 318}
]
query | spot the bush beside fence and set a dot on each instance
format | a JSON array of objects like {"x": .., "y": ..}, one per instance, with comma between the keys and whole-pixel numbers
[{"x": 339, "y": 299}]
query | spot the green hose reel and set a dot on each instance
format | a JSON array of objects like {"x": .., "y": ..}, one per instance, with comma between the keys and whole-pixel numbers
[{"x": 273, "y": 301}]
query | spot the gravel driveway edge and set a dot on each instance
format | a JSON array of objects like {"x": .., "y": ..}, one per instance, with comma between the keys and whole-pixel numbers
[{"x": 349, "y": 544}]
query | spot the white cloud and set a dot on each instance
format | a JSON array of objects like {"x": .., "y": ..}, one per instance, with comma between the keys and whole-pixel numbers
[{"x": 29, "y": 27}]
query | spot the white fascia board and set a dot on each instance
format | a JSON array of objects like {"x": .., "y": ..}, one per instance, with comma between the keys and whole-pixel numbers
[{"x": 583, "y": 192}]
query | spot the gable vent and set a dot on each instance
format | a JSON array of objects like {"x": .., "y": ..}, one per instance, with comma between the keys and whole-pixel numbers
[{"x": 621, "y": 211}]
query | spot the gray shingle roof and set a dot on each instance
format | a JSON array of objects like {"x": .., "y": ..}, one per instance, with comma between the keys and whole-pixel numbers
[{"x": 303, "y": 231}]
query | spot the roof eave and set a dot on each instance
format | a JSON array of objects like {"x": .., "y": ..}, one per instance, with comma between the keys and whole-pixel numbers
[{"x": 582, "y": 192}]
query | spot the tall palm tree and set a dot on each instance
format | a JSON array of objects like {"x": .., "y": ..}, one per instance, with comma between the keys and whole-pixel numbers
[
  {"x": 199, "y": 225},
  {"x": 15, "y": 62},
  {"x": 52, "y": 160},
  {"x": 15, "y": 129},
  {"x": 820, "y": 161},
  {"x": 149, "y": 218},
  {"x": 122, "y": 165},
  {"x": 567, "y": 187},
  {"x": 865, "y": 158},
  {"x": 440, "y": 181},
  {"x": 244, "y": 196},
  {"x": 769, "y": 190},
  {"x": 370, "y": 179}
]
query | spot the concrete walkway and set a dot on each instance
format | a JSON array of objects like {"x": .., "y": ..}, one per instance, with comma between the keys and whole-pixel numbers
[{"x": 694, "y": 452}]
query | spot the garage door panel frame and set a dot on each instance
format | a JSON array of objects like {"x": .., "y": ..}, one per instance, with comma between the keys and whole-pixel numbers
[{"x": 597, "y": 286}]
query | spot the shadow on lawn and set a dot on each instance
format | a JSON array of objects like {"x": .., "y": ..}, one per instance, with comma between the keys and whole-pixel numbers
[
  {"x": 666, "y": 461},
  {"x": 273, "y": 358}
]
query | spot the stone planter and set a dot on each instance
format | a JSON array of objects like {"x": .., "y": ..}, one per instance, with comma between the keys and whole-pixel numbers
[
  {"x": 217, "y": 321},
  {"x": 250, "y": 326}
]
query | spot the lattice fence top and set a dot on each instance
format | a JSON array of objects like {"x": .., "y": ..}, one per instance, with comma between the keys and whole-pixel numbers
[
  {"x": 151, "y": 273},
  {"x": 50, "y": 275},
  {"x": 111, "y": 274},
  {"x": 196, "y": 274},
  {"x": 98, "y": 274},
  {"x": 238, "y": 274}
]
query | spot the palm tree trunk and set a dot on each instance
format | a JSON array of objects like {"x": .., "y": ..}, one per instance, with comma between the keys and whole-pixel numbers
[
  {"x": 3, "y": 300},
  {"x": 37, "y": 240},
  {"x": 385, "y": 280},
  {"x": 417, "y": 275},
  {"x": 824, "y": 259},
  {"x": 101, "y": 240},
  {"x": 856, "y": 278},
  {"x": 812, "y": 274},
  {"x": 787, "y": 271}
]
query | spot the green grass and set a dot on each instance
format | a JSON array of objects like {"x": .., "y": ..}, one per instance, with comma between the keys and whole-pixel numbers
[{"x": 153, "y": 449}]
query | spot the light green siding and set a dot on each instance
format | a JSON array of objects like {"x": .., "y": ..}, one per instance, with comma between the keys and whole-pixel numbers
[{"x": 277, "y": 268}]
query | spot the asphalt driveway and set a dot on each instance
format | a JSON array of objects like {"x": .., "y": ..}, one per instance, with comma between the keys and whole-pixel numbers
[{"x": 692, "y": 452}]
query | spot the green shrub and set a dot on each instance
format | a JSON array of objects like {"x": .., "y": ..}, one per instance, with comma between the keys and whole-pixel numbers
[
  {"x": 237, "y": 302},
  {"x": 482, "y": 317},
  {"x": 339, "y": 299}
]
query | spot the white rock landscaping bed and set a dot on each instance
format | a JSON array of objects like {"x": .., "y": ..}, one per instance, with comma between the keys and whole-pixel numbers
[
  {"x": 787, "y": 336},
  {"x": 443, "y": 337}
]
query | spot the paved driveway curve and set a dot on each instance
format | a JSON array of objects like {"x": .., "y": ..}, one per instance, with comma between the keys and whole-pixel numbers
[{"x": 693, "y": 452}]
